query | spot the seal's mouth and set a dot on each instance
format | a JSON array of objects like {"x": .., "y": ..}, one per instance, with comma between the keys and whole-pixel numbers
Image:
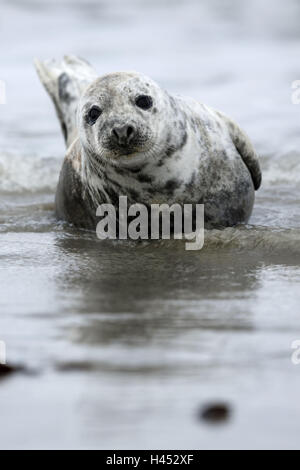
[
  {"x": 130, "y": 154},
  {"x": 126, "y": 142},
  {"x": 129, "y": 160},
  {"x": 125, "y": 151},
  {"x": 121, "y": 150}
]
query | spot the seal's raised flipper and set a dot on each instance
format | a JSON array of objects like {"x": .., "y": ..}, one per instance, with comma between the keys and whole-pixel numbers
[
  {"x": 246, "y": 151},
  {"x": 65, "y": 81},
  {"x": 248, "y": 154}
]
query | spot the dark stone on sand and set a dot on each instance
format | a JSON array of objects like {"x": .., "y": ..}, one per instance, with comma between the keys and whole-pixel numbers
[
  {"x": 216, "y": 413},
  {"x": 6, "y": 369}
]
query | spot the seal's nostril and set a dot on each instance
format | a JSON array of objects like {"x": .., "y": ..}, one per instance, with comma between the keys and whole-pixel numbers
[
  {"x": 123, "y": 134},
  {"x": 130, "y": 132},
  {"x": 115, "y": 134}
]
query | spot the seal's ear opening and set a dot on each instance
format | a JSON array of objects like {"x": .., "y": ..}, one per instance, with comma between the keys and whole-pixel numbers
[{"x": 65, "y": 82}]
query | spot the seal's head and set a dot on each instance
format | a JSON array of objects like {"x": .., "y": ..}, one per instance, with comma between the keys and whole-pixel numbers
[{"x": 123, "y": 118}]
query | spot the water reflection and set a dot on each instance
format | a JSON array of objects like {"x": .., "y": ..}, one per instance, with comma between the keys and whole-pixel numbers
[{"x": 146, "y": 292}]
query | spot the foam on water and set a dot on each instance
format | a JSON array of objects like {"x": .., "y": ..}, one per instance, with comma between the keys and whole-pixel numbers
[
  {"x": 22, "y": 174},
  {"x": 283, "y": 169},
  {"x": 261, "y": 239}
]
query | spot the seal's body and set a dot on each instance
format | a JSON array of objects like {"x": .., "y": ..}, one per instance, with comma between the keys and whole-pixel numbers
[{"x": 133, "y": 139}]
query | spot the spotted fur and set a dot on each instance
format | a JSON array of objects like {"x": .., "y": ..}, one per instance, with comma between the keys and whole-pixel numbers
[{"x": 182, "y": 152}]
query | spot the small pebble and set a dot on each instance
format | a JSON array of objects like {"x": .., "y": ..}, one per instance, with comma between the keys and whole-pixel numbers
[
  {"x": 216, "y": 413},
  {"x": 6, "y": 369}
]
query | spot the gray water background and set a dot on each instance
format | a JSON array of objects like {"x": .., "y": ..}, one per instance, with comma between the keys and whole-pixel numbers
[{"x": 124, "y": 343}]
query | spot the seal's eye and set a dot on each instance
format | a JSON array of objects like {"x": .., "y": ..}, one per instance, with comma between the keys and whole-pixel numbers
[
  {"x": 144, "y": 102},
  {"x": 93, "y": 114}
]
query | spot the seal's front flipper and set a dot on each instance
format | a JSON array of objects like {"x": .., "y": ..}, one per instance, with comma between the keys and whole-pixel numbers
[
  {"x": 65, "y": 82},
  {"x": 246, "y": 151}
]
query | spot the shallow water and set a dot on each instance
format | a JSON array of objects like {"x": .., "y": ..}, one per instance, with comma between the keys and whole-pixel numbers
[{"x": 122, "y": 344}]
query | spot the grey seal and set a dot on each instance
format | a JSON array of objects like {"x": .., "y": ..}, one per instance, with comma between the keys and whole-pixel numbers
[{"x": 126, "y": 136}]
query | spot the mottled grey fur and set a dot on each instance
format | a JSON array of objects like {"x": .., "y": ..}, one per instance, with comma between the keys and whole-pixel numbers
[{"x": 182, "y": 151}]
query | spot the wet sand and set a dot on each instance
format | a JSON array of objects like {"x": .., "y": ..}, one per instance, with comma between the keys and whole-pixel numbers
[{"x": 127, "y": 345}]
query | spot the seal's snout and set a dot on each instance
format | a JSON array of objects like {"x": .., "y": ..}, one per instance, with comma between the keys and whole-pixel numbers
[{"x": 124, "y": 134}]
